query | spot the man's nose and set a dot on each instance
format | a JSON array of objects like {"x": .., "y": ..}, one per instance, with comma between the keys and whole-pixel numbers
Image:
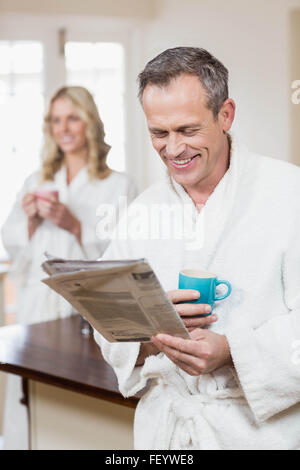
[{"x": 174, "y": 146}]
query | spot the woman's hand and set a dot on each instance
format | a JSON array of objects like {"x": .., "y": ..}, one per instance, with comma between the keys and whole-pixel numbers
[
  {"x": 189, "y": 312},
  {"x": 30, "y": 208},
  {"x": 29, "y": 205},
  {"x": 59, "y": 214}
]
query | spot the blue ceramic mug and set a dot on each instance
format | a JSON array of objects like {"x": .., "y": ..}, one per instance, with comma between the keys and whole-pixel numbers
[{"x": 206, "y": 284}]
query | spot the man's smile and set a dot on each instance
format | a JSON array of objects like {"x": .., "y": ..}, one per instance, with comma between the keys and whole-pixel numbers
[{"x": 182, "y": 163}]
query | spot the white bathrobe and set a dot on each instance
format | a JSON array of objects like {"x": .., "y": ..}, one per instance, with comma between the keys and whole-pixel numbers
[
  {"x": 35, "y": 301},
  {"x": 251, "y": 238}
]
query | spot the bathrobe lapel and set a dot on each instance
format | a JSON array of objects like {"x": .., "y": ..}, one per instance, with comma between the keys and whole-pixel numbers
[
  {"x": 215, "y": 215},
  {"x": 67, "y": 191}
]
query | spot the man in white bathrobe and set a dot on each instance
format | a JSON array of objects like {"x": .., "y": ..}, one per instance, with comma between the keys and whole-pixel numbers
[{"x": 236, "y": 383}]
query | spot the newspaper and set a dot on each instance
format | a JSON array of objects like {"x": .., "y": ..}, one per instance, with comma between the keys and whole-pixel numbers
[{"x": 123, "y": 300}]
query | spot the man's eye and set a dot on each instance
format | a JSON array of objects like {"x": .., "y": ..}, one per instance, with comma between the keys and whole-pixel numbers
[
  {"x": 159, "y": 135},
  {"x": 189, "y": 132}
]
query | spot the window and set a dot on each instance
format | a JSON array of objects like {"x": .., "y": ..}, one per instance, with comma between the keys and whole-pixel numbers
[
  {"x": 21, "y": 116},
  {"x": 99, "y": 67},
  {"x": 37, "y": 56}
]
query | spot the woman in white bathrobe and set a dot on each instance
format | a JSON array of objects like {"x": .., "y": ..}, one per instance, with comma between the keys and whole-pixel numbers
[{"x": 74, "y": 167}]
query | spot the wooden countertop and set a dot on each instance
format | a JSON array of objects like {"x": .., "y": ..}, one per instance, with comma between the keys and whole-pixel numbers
[{"x": 57, "y": 353}]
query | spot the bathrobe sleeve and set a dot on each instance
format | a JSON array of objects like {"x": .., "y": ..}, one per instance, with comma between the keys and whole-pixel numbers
[
  {"x": 267, "y": 359},
  {"x": 15, "y": 229}
]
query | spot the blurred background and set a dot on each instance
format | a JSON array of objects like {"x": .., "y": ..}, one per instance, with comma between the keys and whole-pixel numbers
[{"x": 103, "y": 45}]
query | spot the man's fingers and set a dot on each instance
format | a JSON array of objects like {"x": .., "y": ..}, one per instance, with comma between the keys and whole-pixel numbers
[
  {"x": 199, "y": 322},
  {"x": 184, "y": 358},
  {"x": 196, "y": 315},
  {"x": 190, "y": 310},
  {"x": 187, "y": 368},
  {"x": 183, "y": 295},
  {"x": 188, "y": 346}
]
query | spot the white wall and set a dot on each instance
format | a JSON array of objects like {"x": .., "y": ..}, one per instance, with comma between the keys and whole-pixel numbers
[
  {"x": 142, "y": 9},
  {"x": 128, "y": 31},
  {"x": 251, "y": 39}
]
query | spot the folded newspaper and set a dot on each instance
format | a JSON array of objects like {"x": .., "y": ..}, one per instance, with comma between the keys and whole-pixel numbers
[{"x": 123, "y": 300}]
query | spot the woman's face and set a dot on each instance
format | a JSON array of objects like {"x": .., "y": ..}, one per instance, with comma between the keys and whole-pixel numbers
[{"x": 68, "y": 129}]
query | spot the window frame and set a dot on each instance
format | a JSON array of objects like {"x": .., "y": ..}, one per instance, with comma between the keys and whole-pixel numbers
[{"x": 127, "y": 32}]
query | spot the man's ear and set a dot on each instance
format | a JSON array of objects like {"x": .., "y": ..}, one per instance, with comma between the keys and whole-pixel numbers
[{"x": 226, "y": 115}]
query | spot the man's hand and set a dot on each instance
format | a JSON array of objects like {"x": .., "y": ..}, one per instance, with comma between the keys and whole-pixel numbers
[
  {"x": 146, "y": 350},
  {"x": 189, "y": 312},
  {"x": 204, "y": 353},
  {"x": 59, "y": 214}
]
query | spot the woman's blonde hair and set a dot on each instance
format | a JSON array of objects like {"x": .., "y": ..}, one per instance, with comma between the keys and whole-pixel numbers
[{"x": 53, "y": 157}]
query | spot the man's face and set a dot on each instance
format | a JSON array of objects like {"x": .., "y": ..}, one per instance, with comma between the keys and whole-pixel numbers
[{"x": 183, "y": 130}]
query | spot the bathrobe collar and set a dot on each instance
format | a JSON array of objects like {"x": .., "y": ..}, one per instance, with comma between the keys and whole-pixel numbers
[
  {"x": 218, "y": 208},
  {"x": 65, "y": 189}
]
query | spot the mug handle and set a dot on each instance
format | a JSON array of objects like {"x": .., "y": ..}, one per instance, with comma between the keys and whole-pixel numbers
[{"x": 228, "y": 289}]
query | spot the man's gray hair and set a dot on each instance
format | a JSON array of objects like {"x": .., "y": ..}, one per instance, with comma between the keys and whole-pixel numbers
[{"x": 172, "y": 63}]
